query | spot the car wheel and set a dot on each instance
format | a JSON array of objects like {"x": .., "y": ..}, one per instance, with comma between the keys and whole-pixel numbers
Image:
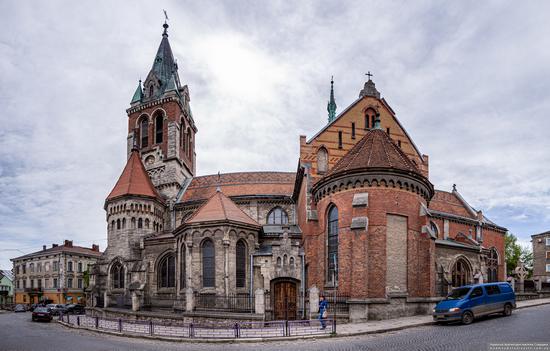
[
  {"x": 507, "y": 310},
  {"x": 467, "y": 318}
]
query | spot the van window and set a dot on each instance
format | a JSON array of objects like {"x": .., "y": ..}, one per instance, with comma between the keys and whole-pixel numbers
[
  {"x": 476, "y": 292},
  {"x": 505, "y": 288},
  {"x": 458, "y": 294},
  {"x": 492, "y": 289}
]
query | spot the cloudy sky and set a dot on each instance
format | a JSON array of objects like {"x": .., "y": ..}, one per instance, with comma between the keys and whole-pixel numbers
[{"x": 470, "y": 83}]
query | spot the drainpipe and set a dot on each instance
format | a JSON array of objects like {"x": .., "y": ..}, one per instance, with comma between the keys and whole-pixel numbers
[
  {"x": 303, "y": 284},
  {"x": 251, "y": 278}
]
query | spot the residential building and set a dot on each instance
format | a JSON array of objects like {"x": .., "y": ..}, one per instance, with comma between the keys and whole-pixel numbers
[
  {"x": 55, "y": 275},
  {"x": 6, "y": 288},
  {"x": 541, "y": 256}
]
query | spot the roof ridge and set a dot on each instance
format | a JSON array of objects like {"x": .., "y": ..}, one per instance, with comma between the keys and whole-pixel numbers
[
  {"x": 221, "y": 203},
  {"x": 386, "y": 153}
]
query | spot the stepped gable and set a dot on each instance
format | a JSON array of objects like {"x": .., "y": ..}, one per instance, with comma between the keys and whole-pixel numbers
[
  {"x": 374, "y": 150},
  {"x": 220, "y": 208},
  {"x": 241, "y": 184},
  {"x": 134, "y": 180}
]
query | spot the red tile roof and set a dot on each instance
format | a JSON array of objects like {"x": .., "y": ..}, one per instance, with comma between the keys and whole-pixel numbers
[
  {"x": 447, "y": 202},
  {"x": 239, "y": 184},
  {"x": 375, "y": 150},
  {"x": 134, "y": 180},
  {"x": 220, "y": 208}
]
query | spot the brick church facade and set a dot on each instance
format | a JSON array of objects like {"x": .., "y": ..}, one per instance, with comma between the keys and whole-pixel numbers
[{"x": 359, "y": 215}]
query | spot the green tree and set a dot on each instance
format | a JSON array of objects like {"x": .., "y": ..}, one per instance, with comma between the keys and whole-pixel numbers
[
  {"x": 527, "y": 258},
  {"x": 86, "y": 277},
  {"x": 512, "y": 251}
]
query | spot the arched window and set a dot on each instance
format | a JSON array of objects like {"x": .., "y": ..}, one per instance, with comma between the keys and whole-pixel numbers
[
  {"x": 147, "y": 223},
  {"x": 188, "y": 137},
  {"x": 113, "y": 224},
  {"x": 277, "y": 216},
  {"x": 240, "y": 264},
  {"x": 332, "y": 245},
  {"x": 461, "y": 273},
  {"x": 167, "y": 272},
  {"x": 183, "y": 266},
  {"x": 208, "y": 264},
  {"x": 433, "y": 226},
  {"x": 123, "y": 223},
  {"x": 492, "y": 266},
  {"x": 117, "y": 276},
  {"x": 133, "y": 221},
  {"x": 118, "y": 224},
  {"x": 159, "y": 120},
  {"x": 144, "y": 132},
  {"x": 140, "y": 223},
  {"x": 322, "y": 160},
  {"x": 151, "y": 90},
  {"x": 182, "y": 136}
]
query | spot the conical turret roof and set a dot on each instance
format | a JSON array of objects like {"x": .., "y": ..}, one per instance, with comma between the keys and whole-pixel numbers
[
  {"x": 134, "y": 180},
  {"x": 374, "y": 150},
  {"x": 220, "y": 208}
]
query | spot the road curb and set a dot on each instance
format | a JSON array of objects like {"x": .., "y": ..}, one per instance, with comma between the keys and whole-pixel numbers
[{"x": 258, "y": 340}]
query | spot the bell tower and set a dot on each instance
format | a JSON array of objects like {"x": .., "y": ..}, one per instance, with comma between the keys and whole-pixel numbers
[{"x": 161, "y": 125}]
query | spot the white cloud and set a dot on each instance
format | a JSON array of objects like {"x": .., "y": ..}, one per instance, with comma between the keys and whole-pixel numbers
[{"x": 467, "y": 81}]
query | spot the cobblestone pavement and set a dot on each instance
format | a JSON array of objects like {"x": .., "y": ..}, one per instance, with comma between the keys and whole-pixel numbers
[{"x": 17, "y": 332}]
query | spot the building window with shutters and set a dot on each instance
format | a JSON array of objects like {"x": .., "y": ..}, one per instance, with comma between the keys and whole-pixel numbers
[
  {"x": 240, "y": 264},
  {"x": 208, "y": 264},
  {"x": 332, "y": 245}
]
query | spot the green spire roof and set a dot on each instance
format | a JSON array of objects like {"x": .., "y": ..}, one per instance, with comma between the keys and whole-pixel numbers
[
  {"x": 331, "y": 105},
  {"x": 138, "y": 95}
]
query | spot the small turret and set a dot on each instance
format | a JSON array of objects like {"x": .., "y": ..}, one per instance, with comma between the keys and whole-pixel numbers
[{"x": 331, "y": 105}]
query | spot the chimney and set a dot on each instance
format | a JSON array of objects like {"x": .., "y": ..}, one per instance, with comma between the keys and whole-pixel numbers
[
  {"x": 43, "y": 247},
  {"x": 68, "y": 243},
  {"x": 54, "y": 245},
  {"x": 95, "y": 247}
]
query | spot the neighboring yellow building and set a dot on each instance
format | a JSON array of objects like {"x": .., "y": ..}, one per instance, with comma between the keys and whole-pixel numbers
[{"x": 54, "y": 275}]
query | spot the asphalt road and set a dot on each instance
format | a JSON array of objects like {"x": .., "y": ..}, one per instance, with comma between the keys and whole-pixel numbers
[{"x": 530, "y": 325}]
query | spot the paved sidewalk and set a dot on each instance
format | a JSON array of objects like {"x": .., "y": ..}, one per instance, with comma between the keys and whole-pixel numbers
[
  {"x": 342, "y": 330},
  {"x": 373, "y": 327}
]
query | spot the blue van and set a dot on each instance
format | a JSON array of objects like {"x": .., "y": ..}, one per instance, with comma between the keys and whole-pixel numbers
[{"x": 472, "y": 301}]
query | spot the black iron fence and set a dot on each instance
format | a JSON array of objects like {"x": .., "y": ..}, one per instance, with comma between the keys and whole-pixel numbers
[
  {"x": 338, "y": 301},
  {"x": 271, "y": 329},
  {"x": 240, "y": 303},
  {"x": 545, "y": 286}
]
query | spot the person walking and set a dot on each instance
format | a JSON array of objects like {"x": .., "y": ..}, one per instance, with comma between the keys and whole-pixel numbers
[{"x": 323, "y": 313}]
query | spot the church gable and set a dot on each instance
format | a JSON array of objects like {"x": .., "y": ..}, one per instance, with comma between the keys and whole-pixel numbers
[{"x": 340, "y": 135}]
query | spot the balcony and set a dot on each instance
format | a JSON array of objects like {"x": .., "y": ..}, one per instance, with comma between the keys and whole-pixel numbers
[{"x": 33, "y": 290}]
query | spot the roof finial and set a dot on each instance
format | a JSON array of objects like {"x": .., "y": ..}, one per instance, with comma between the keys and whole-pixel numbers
[
  {"x": 454, "y": 187},
  {"x": 331, "y": 105},
  {"x": 218, "y": 189},
  {"x": 368, "y": 74},
  {"x": 165, "y": 25}
]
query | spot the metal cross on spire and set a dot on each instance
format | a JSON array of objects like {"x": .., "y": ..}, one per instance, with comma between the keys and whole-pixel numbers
[
  {"x": 368, "y": 74},
  {"x": 165, "y": 16}
]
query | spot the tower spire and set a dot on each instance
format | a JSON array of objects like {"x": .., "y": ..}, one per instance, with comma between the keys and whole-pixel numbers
[{"x": 331, "y": 105}]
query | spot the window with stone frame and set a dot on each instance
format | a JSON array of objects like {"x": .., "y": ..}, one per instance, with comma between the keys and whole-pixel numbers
[
  {"x": 188, "y": 142},
  {"x": 69, "y": 266},
  {"x": 167, "y": 271},
  {"x": 31, "y": 267},
  {"x": 460, "y": 273},
  {"x": 277, "y": 216},
  {"x": 55, "y": 266},
  {"x": 322, "y": 160},
  {"x": 55, "y": 283},
  {"x": 548, "y": 268},
  {"x": 547, "y": 241},
  {"x": 79, "y": 267},
  {"x": 332, "y": 245},
  {"x": 208, "y": 264},
  {"x": 353, "y": 130},
  {"x": 240, "y": 264},
  {"x": 140, "y": 223},
  {"x": 144, "y": 132},
  {"x": 548, "y": 255},
  {"x": 79, "y": 282},
  {"x": 340, "y": 145},
  {"x": 117, "y": 276},
  {"x": 159, "y": 122},
  {"x": 70, "y": 283},
  {"x": 492, "y": 266}
]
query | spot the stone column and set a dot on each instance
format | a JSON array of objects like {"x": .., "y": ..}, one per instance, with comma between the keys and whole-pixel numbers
[
  {"x": 313, "y": 302},
  {"x": 189, "y": 265},
  {"x": 512, "y": 282},
  {"x": 135, "y": 301},
  {"x": 226, "y": 243},
  {"x": 259, "y": 301},
  {"x": 189, "y": 300},
  {"x": 105, "y": 299}
]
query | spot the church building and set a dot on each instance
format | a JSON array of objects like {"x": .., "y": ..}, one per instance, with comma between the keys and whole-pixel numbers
[{"x": 359, "y": 218}]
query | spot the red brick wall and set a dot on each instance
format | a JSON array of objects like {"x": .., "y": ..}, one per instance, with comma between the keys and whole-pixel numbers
[{"x": 362, "y": 255}]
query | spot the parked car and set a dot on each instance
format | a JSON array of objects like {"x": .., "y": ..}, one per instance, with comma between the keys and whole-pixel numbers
[
  {"x": 56, "y": 309},
  {"x": 20, "y": 308},
  {"x": 42, "y": 313},
  {"x": 472, "y": 301},
  {"x": 75, "y": 309}
]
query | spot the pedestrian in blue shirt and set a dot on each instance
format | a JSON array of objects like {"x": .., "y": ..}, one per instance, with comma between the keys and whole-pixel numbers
[{"x": 323, "y": 313}]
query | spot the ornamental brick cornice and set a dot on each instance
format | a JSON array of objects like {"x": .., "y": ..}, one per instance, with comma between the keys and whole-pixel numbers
[{"x": 373, "y": 177}]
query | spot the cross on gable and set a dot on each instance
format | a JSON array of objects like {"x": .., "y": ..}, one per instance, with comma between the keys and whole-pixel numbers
[{"x": 368, "y": 74}]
